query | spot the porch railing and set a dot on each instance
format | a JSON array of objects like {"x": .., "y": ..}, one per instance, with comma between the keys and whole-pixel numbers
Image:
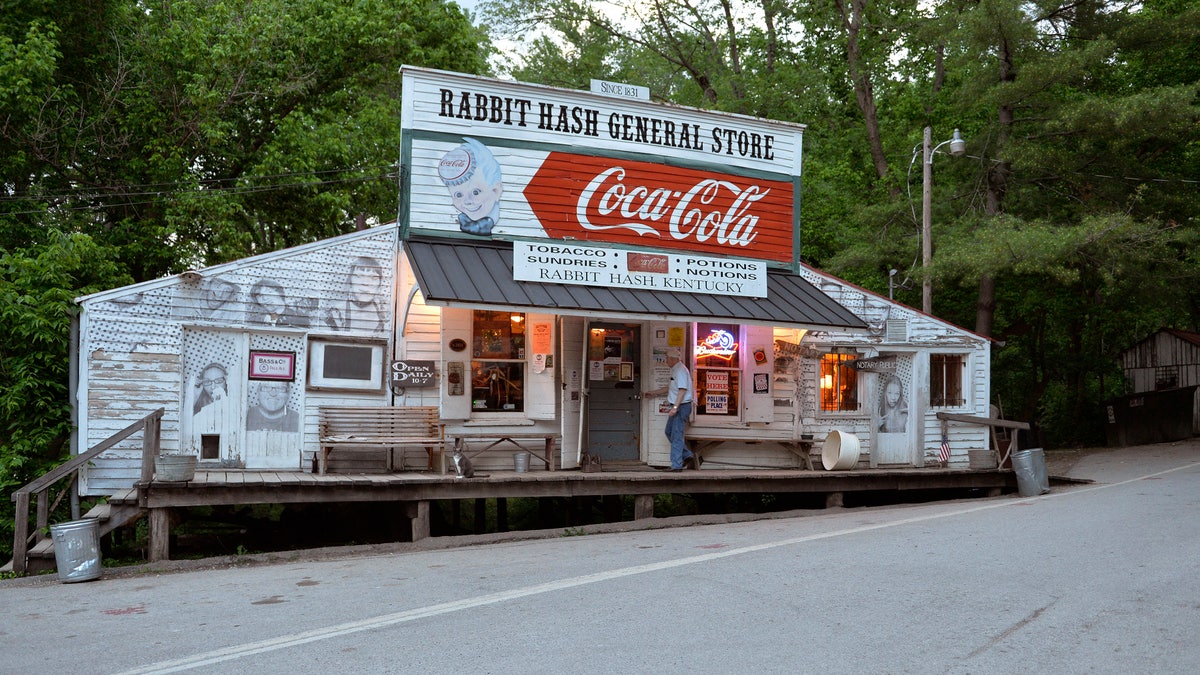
[{"x": 39, "y": 489}]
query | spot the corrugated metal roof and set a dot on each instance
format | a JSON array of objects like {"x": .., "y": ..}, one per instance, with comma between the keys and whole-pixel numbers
[{"x": 472, "y": 274}]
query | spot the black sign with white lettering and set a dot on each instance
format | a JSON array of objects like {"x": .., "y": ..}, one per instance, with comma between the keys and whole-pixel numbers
[
  {"x": 415, "y": 374},
  {"x": 879, "y": 364}
]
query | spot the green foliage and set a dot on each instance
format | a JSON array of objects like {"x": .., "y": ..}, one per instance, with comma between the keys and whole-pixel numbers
[
  {"x": 1077, "y": 197},
  {"x": 37, "y": 289},
  {"x": 138, "y": 140}
]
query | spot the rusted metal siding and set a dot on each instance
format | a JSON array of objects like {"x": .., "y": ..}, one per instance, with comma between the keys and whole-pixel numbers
[{"x": 1167, "y": 359}]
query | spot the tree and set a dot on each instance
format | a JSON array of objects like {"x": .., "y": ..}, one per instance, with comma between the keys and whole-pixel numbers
[{"x": 142, "y": 139}]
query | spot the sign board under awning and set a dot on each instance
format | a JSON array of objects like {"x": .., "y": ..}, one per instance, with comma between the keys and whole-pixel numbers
[
  {"x": 552, "y": 262},
  {"x": 878, "y": 364}
]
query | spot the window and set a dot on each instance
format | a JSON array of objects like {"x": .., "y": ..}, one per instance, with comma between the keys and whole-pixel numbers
[
  {"x": 718, "y": 369},
  {"x": 498, "y": 367},
  {"x": 1166, "y": 377},
  {"x": 345, "y": 365},
  {"x": 946, "y": 380},
  {"x": 839, "y": 383}
]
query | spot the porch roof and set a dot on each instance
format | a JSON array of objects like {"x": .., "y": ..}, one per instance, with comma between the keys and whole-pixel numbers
[{"x": 480, "y": 275}]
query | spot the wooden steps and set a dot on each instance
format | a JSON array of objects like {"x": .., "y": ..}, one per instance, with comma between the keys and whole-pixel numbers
[{"x": 121, "y": 508}]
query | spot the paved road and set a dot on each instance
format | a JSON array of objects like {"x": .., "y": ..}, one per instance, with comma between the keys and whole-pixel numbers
[{"x": 1101, "y": 578}]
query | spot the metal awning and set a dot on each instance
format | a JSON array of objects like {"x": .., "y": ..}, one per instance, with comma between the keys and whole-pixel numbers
[{"x": 479, "y": 275}]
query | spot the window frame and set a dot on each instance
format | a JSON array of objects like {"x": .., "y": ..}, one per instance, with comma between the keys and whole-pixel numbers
[
  {"x": 737, "y": 380},
  {"x": 841, "y": 367},
  {"x": 522, "y": 361},
  {"x": 963, "y": 380},
  {"x": 317, "y": 381}
]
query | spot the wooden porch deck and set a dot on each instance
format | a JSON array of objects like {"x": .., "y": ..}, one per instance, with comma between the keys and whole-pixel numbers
[{"x": 418, "y": 489}]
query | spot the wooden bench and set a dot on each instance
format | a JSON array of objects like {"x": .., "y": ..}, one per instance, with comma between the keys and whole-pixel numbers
[
  {"x": 384, "y": 427},
  {"x": 461, "y": 439}
]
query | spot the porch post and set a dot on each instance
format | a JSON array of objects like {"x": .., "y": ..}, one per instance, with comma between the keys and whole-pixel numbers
[
  {"x": 160, "y": 534},
  {"x": 418, "y": 514},
  {"x": 643, "y": 507}
]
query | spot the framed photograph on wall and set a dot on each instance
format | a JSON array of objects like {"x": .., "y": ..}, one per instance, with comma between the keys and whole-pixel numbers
[
  {"x": 346, "y": 364},
  {"x": 266, "y": 365}
]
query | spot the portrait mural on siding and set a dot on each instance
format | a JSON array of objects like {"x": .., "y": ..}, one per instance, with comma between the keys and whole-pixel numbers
[
  {"x": 272, "y": 411},
  {"x": 270, "y": 305},
  {"x": 317, "y": 292},
  {"x": 364, "y": 306},
  {"x": 475, "y": 181},
  {"x": 893, "y": 406}
]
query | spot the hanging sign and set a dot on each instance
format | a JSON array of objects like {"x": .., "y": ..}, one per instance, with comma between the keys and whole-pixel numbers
[
  {"x": 551, "y": 262},
  {"x": 416, "y": 374},
  {"x": 878, "y": 364}
]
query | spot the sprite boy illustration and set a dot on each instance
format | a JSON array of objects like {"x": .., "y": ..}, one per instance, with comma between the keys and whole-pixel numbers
[{"x": 473, "y": 177}]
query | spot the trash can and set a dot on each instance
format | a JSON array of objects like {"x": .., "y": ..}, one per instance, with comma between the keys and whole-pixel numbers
[
  {"x": 1030, "y": 467},
  {"x": 521, "y": 461},
  {"x": 77, "y": 549},
  {"x": 1039, "y": 468}
]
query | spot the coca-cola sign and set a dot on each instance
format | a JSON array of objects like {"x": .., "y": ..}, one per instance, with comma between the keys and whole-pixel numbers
[{"x": 631, "y": 202}]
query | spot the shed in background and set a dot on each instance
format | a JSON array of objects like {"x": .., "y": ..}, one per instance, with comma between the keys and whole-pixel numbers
[{"x": 1168, "y": 359}]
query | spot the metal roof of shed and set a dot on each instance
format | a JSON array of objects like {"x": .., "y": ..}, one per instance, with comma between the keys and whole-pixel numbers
[{"x": 480, "y": 275}]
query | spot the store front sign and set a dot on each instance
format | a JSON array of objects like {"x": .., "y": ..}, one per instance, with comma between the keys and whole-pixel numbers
[
  {"x": 879, "y": 364},
  {"x": 638, "y": 203},
  {"x": 616, "y": 268}
]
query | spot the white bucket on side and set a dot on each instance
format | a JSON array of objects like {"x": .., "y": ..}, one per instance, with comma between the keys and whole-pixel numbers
[{"x": 839, "y": 452}]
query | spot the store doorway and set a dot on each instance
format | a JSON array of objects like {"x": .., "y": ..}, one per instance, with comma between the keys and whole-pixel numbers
[
  {"x": 893, "y": 419},
  {"x": 614, "y": 392}
]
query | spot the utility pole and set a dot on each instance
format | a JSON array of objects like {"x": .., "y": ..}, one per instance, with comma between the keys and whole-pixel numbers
[{"x": 926, "y": 221}]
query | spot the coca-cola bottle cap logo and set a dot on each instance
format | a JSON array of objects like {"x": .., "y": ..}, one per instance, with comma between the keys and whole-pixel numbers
[{"x": 454, "y": 165}]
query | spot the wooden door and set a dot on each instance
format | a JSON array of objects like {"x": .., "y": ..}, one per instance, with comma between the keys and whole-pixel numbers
[{"x": 614, "y": 393}]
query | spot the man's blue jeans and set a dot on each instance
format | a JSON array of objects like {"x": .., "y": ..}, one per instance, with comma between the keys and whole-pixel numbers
[{"x": 674, "y": 431}]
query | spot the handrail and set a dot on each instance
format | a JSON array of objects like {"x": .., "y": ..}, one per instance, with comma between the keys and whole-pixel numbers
[
  {"x": 1002, "y": 454},
  {"x": 151, "y": 424}
]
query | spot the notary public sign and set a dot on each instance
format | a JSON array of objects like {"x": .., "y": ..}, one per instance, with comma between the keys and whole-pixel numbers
[
  {"x": 498, "y": 159},
  {"x": 878, "y": 364},
  {"x": 577, "y": 264}
]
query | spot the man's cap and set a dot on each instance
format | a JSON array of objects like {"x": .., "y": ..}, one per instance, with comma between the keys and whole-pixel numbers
[{"x": 674, "y": 353}]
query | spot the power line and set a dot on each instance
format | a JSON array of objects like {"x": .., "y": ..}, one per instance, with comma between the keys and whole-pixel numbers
[
  {"x": 123, "y": 198},
  {"x": 207, "y": 183}
]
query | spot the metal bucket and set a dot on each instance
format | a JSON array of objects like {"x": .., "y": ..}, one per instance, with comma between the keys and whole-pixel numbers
[
  {"x": 521, "y": 461},
  {"x": 175, "y": 468},
  {"x": 981, "y": 459},
  {"x": 839, "y": 451},
  {"x": 77, "y": 549},
  {"x": 1030, "y": 468},
  {"x": 1039, "y": 468}
]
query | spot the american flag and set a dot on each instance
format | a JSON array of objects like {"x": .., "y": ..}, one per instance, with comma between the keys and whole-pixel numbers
[{"x": 944, "y": 450}]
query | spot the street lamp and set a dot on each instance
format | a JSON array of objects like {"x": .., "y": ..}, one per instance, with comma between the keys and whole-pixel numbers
[{"x": 957, "y": 147}]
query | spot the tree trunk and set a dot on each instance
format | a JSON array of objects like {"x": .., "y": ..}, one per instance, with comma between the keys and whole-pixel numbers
[
  {"x": 860, "y": 76},
  {"x": 997, "y": 186}
]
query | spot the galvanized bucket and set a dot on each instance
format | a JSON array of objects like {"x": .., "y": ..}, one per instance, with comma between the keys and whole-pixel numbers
[
  {"x": 521, "y": 461},
  {"x": 175, "y": 468}
]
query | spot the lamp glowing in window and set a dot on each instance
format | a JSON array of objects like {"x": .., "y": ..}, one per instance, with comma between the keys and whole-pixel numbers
[{"x": 827, "y": 382}]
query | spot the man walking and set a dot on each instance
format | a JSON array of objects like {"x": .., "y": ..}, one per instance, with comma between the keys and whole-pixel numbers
[{"x": 680, "y": 394}]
